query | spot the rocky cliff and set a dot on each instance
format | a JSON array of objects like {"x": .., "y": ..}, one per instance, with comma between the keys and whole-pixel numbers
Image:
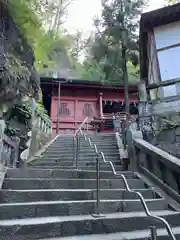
[{"x": 18, "y": 77}]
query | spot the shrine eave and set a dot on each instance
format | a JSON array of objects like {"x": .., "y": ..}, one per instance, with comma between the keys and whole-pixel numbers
[{"x": 85, "y": 83}]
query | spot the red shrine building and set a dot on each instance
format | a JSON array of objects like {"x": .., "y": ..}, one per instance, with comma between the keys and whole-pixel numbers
[{"x": 80, "y": 99}]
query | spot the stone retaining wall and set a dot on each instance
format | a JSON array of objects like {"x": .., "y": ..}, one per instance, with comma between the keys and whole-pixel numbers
[{"x": 169, "y": 140}]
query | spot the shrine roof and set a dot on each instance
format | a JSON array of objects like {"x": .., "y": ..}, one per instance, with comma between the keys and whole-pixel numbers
[
  {"x": 87, "y": 83},
  {"x": 148, "y": 22}
]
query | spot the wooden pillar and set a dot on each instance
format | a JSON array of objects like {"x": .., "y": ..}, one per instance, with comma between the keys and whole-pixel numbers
[
  {"x": 75, "y": 115},
  {"x": 101, "y": 105},
  {"x": 58, "y": 108}
]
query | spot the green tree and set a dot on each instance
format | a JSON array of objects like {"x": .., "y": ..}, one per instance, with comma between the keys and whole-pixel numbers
[
  {"x": 118, "y": 25},
  {"x": 92, "y": 71},
  {"x": 30, "y": 16},
  {"x": 77, "y": 45}
]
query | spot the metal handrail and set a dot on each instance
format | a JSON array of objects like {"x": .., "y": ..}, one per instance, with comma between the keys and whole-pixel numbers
[
  {"x": 80, "y": 127},
  {"x": 97, "y": 171},
  {"x": 75, "y": 137},
  {"x": 160, "y": 219}
]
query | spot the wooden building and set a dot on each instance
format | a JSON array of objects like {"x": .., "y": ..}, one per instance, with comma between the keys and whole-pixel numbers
[
  {"x": 79, "y": 99},
  {"x": 160, "y": 51}
]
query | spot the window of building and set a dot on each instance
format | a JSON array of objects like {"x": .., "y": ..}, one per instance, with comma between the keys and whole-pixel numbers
[
  {"x": 87, "y": 110},
  {"x": 64, "y": 110}
]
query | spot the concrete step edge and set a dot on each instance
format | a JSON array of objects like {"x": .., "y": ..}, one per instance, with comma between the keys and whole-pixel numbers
[
  {"x": 44, "y": 220},
  {"x": 73, "y": 179},
  {"x": 68, "y": 170},
  {"x": 134, "y": 201},
  {"x": 70, "y": 190},
  {"x": 132, "y": 235}
]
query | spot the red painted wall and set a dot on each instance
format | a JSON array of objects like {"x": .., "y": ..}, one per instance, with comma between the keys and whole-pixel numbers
[
  {"x": 76, "y": 112},
  {"x": 74, "y": 100}
]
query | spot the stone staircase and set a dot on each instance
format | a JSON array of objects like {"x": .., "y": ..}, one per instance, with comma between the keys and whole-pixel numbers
[
  {"x": 53, "y": 200},
  {"x": 61, "y": 153}
]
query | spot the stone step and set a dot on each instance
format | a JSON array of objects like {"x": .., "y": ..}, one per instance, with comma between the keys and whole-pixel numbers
[
  {"x": 84, "y": 155},
  {"x": 55, "y": 149},
  {"x": 100, "y": 141},
  {"x": 51, "y": 163},
  {"x": 87, "y": 135},
  {"x": 88, "y": 168},
  {"x": 81, "y": 163},
  {"x": 61, "y": 149},
  {"x": 81, "y": 155},
  {"x": 55, "y": 173},
  {"x": 115, "y": 161},
  {"x": 94, "y": 137},
  {"x": 48, "y": 227},
  {"x": 64, "y": 140},
  {"x": 114, "y": 158},
  {"x": 12, "y": 196},
  {"x": 134, "y": 235},
  {"x": 80, "y": 207},
  {"x": 85, "y": 143},
  {"x": 81, "y": 152},
  {"x": 56, "y": 183}
]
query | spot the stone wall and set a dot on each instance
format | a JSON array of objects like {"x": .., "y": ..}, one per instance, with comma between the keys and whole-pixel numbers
[
  {"x": 18, "y": 76},
  {"x": 168, "y": 140}
]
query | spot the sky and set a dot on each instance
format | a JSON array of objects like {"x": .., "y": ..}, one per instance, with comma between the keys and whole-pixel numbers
[{"x": 82, "y": 12}]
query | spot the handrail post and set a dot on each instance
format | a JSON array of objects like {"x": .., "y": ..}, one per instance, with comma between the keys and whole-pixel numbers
[
  {"x": 77, "y": 151},
  {"x": 97, "y": 186},
  {"x": 74, "y": 150},
  {"x": 98, "y": 211},
  {"x": 153, "y": 233},
  {"x": 87, "y": 127}
]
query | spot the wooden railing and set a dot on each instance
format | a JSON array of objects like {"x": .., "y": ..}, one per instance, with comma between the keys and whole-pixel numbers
[{"x": 120, "y": 115}]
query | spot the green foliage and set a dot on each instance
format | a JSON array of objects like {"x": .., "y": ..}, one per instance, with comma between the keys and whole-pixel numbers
[
  {"x": 39, "y": 104},
  {"x": 30, "y": 25},
  {"x": 117, "y": 28},
  {"x": 9, "y": 131},
  {"x": 22, "y": 113},
  {"x": 25, "y": 19},
  {"x": 40, "y": 108},
  {"x": 92, "y": 71},
  {"x": 40, "y": 100},
  {"x": 29, "y": 16}
]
